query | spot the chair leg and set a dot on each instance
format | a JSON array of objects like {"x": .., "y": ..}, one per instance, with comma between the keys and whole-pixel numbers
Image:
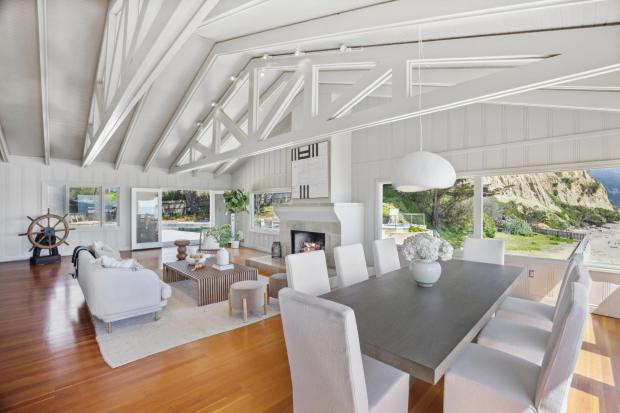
[
  {"x": 157, "y": 316},
  {"x": 245, "y": 310},
  {"x": 108, "y": 327},
  {"x": 229, "y": 306},
  {"x": 266, "y": 302}
]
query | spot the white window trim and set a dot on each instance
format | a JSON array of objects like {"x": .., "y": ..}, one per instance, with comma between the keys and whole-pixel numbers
[{"x": 267, "y": 231}]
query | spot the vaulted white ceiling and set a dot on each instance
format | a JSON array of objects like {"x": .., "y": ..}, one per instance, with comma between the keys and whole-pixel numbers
[{"x": 152, "y": 105}]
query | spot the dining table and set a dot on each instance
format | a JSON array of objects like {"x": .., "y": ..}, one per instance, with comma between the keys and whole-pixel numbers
[{"x": 422, "y": 330}]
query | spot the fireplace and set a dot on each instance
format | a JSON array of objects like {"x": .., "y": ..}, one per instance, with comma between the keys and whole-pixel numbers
[{"x": 304, "y": 241}]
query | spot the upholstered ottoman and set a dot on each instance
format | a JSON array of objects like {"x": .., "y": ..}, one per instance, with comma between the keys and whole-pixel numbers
[
  {"x": 247, "y": 295},
  {"x": 276, "y": 283}
]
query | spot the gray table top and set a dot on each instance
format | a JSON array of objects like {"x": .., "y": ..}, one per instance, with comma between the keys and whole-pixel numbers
[{"x": 422, "y": 330}]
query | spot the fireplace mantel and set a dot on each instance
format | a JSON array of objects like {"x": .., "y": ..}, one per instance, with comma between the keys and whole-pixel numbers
[{"x": 328, "y": 212}]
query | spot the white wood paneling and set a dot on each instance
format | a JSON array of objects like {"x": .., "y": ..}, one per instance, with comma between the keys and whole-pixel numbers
[{"x": 23, "y": 181}]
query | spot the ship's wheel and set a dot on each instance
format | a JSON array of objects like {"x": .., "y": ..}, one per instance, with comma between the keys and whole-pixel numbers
[{"x": 48, "y": 232}]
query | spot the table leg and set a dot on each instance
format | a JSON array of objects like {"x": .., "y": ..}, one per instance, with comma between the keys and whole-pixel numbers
[
  {"x": 229, "y": 305},
  {"x": 266, "y": 302},
  {"x": 245, "y": 310}
]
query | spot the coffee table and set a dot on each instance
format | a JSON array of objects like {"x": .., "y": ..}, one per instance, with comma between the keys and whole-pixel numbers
[{"x": 213, "y": 285}]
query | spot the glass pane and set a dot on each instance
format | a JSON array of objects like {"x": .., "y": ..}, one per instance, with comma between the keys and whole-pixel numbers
[
  {"x": 56, "y": 199},
  {"x": 147, "y": 217},
  {"x": 446, "y": 212},
  {"x": 184, "y": 213},
  {"x": 263, "y": 213},
  {"x": 84, "y": 206},
  {"x": 110, "y": 206},
  {"x": 220, "y": 216}
]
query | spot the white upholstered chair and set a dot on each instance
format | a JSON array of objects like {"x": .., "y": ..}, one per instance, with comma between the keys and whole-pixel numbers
[
  {"x": 490, "y": 251},
  {"x": 385, "y": 255},
  {"x": 537, "y": 314},
  {"x": 488, "y": 380},
  {"x": 307, "y": 272},
  {"x": 526, "y": 341},
  {"x": 328, "y": 371},
  {"x": 350, "y": 264}
]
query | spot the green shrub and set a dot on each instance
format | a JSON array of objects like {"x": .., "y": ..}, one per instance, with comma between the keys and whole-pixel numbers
[
  {"x": 517, "y": 226},
  {"x": 413, "y": 228},
  {"x": 488, "y": 226}
]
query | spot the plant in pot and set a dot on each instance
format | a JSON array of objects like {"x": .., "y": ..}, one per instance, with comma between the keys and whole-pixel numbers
[
  {"x": 236, "y": 202},
  {"x": 237, "y": 239},
  {"x": 422, "y": 250},
  {"x": 223, "y": 235}
]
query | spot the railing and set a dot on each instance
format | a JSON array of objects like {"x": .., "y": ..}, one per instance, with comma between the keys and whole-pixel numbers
[{"x": 577, "y": 236}]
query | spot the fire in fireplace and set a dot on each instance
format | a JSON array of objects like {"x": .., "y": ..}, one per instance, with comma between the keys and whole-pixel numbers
[{"x": 305, "y": 241}]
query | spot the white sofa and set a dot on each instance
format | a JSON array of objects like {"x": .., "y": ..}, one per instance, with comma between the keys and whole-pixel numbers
[{"x": 114, "y": 294}]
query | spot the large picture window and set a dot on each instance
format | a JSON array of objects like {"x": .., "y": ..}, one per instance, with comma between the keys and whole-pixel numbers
[
  {"x": 111, "y": 206},
  {"x": 547, "y": 214},
  {"x": 185, "y": 213},
  {"x": 263, "y": 215},
  {"x": 446, "y": 212},
  {"x": 84, "y": 206}
]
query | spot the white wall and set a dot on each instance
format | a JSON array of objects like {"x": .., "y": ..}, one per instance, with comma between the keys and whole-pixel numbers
[{"x": 21, "y": 193}]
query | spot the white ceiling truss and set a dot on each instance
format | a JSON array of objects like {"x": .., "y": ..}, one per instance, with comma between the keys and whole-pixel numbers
[
  {"x": 4, "y": 149},
  {"x": 140, "y": 39},
  {"x": 538, "y": 60},
  {"x": 42, "y": 32}
]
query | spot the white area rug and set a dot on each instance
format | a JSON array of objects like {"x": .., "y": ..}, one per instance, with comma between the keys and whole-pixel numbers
[{"x": 182, "y": 321}]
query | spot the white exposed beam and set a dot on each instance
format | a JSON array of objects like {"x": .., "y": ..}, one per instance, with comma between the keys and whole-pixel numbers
[
  {"x": 130, "y": 131},
  {"x": 4, "y": 149},
  {"x": 365, "y": 86},
  {"x": 42, "y": 31},
  {"x": 293, "y": 87},
  {"x": 384, "y": 16},
  {"x": 205, "y": 150},
  {"x": 231, "y": 126},
  {"x": 572, "y": 60},
  {"x": 160, "y": 46},
  {"x": 225, "y": 167},
  {"x": 216, "y": 128}
]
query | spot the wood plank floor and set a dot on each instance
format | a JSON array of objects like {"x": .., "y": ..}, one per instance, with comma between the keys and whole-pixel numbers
[{"x": 50, "y": 361}]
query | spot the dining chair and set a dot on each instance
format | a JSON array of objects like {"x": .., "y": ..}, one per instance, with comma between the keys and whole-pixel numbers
[
  {"x": 328, "y": 371},
  {"x": 487, "y": 380},
  {"x": 307, "y": 272},
  {"x": 350, "y": 264},
  {"x": 533, "y": 313},
  {"x": 385, "y": 255},
  {"x": 490, "y": 251},
  {"x": 525, "y": 341}
]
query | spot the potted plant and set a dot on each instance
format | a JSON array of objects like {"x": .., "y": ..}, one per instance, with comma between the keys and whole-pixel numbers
[
  {"x": 422, "y": 250},
  {"x": 236, "y": 202},
  {"x": 223, "y": 235},
  {"x": 236, "y": 239}
]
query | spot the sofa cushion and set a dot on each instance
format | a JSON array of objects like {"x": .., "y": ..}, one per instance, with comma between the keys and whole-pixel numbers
[{"x": 102, "y": 250}]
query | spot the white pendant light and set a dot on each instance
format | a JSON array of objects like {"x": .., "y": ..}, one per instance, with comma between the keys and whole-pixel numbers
[{"x": 421, "y": 170}]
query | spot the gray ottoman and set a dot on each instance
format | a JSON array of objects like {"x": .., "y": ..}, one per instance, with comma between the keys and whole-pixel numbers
[
  {"x": 247, "y": 296},
  {"x": 276, "y": 283}
]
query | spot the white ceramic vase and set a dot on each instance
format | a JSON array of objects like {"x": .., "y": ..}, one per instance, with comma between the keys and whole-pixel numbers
[
  {"x": 425, "y": 273},
  {"x": 222, "y": 257}
]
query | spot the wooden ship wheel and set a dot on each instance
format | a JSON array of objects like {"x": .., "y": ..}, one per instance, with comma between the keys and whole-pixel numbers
[{"x": 47, "y": 232}]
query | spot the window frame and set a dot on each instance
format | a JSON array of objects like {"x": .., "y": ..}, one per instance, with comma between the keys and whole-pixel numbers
[{"x": 251, "y": 214}]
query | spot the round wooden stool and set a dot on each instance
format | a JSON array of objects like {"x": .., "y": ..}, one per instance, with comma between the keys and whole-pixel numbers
[
  {"x": 276, "y": 283},
  {"x": 247, "y": 295},
  {"x": 181, "y": 248}
]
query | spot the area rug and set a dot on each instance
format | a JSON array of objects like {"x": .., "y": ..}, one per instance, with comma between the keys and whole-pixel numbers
[{"x": 182, "y": 321}]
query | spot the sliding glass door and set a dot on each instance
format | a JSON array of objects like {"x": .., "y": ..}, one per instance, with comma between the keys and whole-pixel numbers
[{"x": 145, "y": 218}]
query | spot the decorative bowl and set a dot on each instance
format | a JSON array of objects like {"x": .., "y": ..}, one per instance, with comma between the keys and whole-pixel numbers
[
  {"x": 194, "y": 261},
  {"x": 425, "y": 274}
]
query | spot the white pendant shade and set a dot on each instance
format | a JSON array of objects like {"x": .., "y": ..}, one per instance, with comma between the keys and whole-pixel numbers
[{"x": 421, "y": 171}]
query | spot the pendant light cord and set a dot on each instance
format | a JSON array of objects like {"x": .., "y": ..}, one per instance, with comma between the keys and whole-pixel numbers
[{"x": 420, "y": 59}]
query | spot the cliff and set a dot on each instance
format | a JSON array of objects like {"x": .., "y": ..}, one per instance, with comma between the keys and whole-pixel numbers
[{"x": 543, "y": 191}]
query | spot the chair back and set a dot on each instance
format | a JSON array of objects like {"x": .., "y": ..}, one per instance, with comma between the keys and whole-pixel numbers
[
  {"x": 385, "y": 256},
  {"x": 570, "y": 275},
  {"x": 324, "y": 354},
  {"x": 563, "y": 350},
  {"x": 490, "y": 251},
  {"x": 350, "y": 264},
  {"x": 307, "y": 272}
]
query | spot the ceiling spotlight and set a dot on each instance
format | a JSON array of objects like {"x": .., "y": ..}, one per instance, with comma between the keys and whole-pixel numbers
[
  {"x": 262, "y": 73},
  {"x": 299, "y": 52},
  {"x": 198, "y": 124},
  {"x": 213, "y": 104},
  {"x": 344, "y": 48},
  {"x": 265, "y": 56},
  {"x": 233, "y": 78}
]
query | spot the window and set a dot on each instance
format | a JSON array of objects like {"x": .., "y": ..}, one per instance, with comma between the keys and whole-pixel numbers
[
  {"x": 547, "y": 214},
  {"x": 448, "y": 212},
  {"x": 84, "y": 206},
  {"x": 184, "y": 214},
  {"x": 110, "y": 206},
  {"x": 263, "y": 215}
]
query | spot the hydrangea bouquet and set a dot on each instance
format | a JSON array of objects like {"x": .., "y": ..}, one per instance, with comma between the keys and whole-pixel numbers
[{"x": 426, "y": 248}]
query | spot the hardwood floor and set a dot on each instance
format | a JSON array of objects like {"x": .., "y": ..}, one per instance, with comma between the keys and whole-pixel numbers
[{"x": 50, "y": 361}]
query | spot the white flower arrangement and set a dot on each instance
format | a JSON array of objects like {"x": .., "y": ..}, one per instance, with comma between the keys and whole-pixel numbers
[{"x": 426, "y": 248}]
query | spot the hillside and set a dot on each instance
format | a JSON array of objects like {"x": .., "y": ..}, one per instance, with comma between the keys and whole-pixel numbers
[{"x": 547, "y": 191}]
